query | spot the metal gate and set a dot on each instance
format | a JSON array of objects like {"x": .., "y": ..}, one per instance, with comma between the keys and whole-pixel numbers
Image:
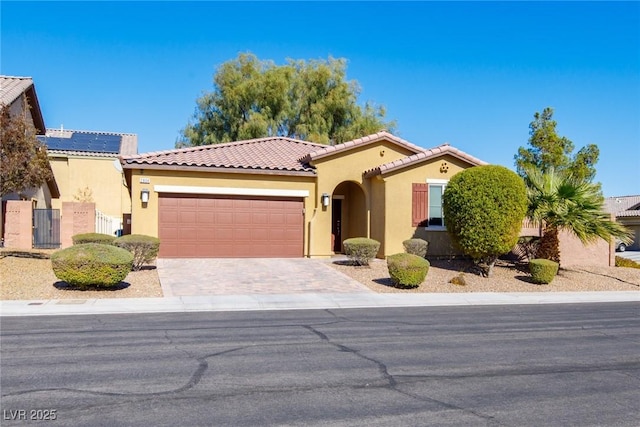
[{"x": 46, "y": 228}]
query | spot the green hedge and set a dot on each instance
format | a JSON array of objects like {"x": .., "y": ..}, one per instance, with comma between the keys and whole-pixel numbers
[
  {"x": 543, "y": 270},
  {"x": 407, "y": 270},
  {"x": 92, "y": 264},
  {"x": 626, "y": 262},
  {"x": 416, "y": 247},
  {"x": 143, "y": 248},
  {"x": 105, "y": 239},
  {"x": 361, "y": 250}
]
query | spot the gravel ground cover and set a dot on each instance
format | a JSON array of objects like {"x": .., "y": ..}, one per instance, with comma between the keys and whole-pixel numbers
[
  {"x": 507, "y": 277},
  {"x": 33, "y": 279}
]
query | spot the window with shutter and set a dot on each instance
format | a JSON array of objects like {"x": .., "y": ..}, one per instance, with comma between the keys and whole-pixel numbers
[{"x": 420, "y": 203}]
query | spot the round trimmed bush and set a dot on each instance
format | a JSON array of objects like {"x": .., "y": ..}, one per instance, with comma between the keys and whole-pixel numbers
[
  {"x": 361, "y": 250},
  {"x": 483, "y": 208},
  {"x": 407, "y": 270},
  {"x": 416, "y": 247},
  {"x": 543, "y": 270},
  {"x": 92, "y": 264},
  {"x": 143, "y": 248},
  {"x": 105, "y": 239}
]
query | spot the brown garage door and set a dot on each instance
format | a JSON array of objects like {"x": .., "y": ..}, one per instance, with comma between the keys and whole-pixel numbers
[{"x": 193, "y": 226}]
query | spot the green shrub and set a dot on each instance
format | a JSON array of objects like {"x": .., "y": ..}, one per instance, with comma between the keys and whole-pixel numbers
[
  {"x": 626, "y": 262},
  {"x": 90, "y": 264},
  {"x": 144, "y": 248},
  {"x": 105, "y": 239},
  {"x": 361, "y": 250},
  {"x": 416, "y": 247},
  {"x": 543, "y": 270},
  {"x": 483, "y": 210},
  {"x": 407, "y": 270}
]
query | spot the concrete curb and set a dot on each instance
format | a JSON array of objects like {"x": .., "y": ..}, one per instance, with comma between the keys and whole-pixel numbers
[{"x": 309, "y": 301}]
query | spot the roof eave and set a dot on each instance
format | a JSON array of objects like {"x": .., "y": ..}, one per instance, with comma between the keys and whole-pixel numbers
[
  {"x": 36, "y": 113},
  {"x": 360, "y": 142},
  {"x": 187, "y": 168},
  {"x": 383, "y": 170}
]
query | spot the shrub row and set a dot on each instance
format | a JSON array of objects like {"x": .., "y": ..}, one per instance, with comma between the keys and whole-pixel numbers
[
  {"x": 144, "y": 248},
  {"x": 626, "y": 262}
]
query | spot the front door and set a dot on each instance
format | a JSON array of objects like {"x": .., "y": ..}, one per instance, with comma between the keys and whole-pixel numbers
[{"x": 336, "y": 224}]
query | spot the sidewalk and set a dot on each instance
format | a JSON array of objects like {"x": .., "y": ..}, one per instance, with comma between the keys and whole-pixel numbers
[{"x": 297, "y": 302}]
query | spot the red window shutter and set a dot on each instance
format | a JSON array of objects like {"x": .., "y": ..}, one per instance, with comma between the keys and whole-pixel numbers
[{"x": 419, "y": 200}]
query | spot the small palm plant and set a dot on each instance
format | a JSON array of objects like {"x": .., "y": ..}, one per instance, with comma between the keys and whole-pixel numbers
[{"x": 560, "y": 201}]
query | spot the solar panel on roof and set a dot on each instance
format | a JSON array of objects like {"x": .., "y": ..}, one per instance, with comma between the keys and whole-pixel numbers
[{"x": 90, "y": 142}]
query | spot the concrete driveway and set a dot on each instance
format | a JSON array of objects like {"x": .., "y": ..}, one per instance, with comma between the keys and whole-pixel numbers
[{"x": 241, "y": 276}]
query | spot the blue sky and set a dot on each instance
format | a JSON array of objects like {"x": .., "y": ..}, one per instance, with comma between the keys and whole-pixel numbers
[{"x": 468, "y": 73}]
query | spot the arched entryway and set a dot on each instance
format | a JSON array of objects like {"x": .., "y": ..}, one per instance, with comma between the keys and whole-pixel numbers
[{"x": 348, "y": 214}]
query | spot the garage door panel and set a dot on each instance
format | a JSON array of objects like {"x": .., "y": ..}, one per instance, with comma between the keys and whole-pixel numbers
[
  {"x": 242, "y": 218},
  {"x": 228, "y": 226},
  {"x": 259, "y": 218},
  {"x": 187, "y": 217}
]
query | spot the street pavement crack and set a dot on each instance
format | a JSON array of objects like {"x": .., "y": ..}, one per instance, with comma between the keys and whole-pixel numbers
[
  {"x": 392, "y": 384},
  {"x": 195, "y": 378}
]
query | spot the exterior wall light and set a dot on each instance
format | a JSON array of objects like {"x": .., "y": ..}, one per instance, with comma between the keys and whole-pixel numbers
[
  {"x": 144, "y": 195},
  {"x": 325, "y": 199}
]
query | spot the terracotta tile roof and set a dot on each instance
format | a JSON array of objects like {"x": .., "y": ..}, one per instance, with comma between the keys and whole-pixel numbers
[
  {"x": 369, "y": 139},
  {"x": 422, "y": 156},
  {"x": 266, "y": 155},
  {"x": 623, "y": 206}
]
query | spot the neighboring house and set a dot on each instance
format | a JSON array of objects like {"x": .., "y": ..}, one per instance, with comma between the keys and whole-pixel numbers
[
  {"x": 15, "y": 92},
  {"x": 19, "y": 93},
  {"x": 87, "y": 169},
  {"x": 627, "y": 212},
  {"x": 281, "y": 197}
]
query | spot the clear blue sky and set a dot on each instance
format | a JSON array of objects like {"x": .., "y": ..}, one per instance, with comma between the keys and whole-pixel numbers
[{"x": 471, "y": 74}]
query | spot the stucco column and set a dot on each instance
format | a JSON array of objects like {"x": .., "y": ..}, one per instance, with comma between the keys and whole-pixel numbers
[{"x": 18, "y": 230}]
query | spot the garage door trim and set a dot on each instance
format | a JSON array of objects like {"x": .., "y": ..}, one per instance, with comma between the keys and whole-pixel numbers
[{"x": 230, "y": 191}]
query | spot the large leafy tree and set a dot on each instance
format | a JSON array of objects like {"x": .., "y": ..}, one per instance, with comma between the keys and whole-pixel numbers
[
  {"x": 310, "y": 100},
  {"x": 483, "y": 209},
  {"x": 23, "y": 159},
  {"x": 548, "y": 150},
  {"x": 560, "y": 200}
]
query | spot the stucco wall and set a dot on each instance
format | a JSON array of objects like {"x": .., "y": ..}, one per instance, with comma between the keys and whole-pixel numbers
[
  {"x": 573, "y": 251},
  {"x": 398, "y": 206},
  {"x": 144, "y": 217},
  {"x": 75, "y": 173},
  {"x": 350, "y": 166}
]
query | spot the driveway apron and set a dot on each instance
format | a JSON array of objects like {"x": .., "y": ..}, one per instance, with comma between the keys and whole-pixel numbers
[{"x": 240, "y": 276}]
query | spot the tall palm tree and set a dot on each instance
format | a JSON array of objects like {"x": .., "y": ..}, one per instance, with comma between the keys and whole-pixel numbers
[{"x": 559, "y": 201}]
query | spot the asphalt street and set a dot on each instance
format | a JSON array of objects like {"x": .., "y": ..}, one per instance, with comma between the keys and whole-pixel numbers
[{"x": 515, "y": 365}]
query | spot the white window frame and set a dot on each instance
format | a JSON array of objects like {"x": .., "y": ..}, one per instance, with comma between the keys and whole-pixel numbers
[{"x": 442, "y": 183}]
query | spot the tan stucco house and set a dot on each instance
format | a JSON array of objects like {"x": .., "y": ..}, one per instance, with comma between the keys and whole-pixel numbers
[
  {"x": 86, "y": 167},
  {"x": 17, "y": 222},
  {"x": 19, "y": 93},
  {"x": 627, "y": 212},
  {"x": 282, "y": 197}
]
